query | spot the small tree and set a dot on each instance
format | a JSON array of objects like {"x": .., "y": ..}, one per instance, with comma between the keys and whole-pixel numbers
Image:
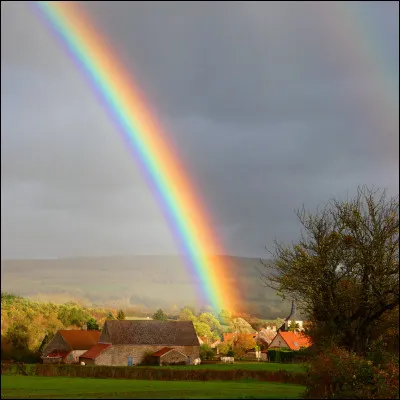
[
  {"x": 92, "y": 325},
  {"x": 159, "y": 315},
  {"x": 121, "y": 315},
  {"x": 224, "y": 347},
  {"x": 206, "y": 352},
  {"x": 225, "y": 317},
  {"x": 186, "y": 314},
  {"x": 293, "y": 326},
  {"x": 202, "y": 329},
  {"x": 110, "y": 316},
  {"x": 213, "y": 323},
  {"x": 241, "y": 326},
  {"x": 243, "y": 344}
]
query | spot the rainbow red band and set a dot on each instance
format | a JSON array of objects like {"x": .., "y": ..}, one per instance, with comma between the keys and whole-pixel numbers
[{"x": 187, "y": 217}]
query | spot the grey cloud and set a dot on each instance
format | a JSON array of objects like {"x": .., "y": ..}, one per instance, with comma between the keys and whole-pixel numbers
[{"x": 258, "y": 103}]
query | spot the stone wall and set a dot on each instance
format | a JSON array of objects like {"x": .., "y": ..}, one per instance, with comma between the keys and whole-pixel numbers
[
  {"x": 73, "y": 357},
  {"x": 53, "y": 360},
  {"x": 118, "y": 354}
]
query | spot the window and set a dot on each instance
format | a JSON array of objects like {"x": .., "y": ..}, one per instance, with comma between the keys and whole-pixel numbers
[
  {"x": 70, "y": 357},
  {"x": 130, "y": 361}
]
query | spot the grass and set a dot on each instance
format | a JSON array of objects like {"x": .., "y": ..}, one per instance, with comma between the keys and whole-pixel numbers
[
  {"x": 31, "y": 387},
  {"x": 253, "y": 366}
]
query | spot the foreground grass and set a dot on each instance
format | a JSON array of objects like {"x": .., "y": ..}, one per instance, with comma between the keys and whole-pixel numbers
[
  {"x": 31, "y": 387},
  {"x": 253, "y": 366}
]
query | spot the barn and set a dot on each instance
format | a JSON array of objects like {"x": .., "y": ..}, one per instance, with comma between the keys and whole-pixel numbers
[
  {"x": 132, "y": 342},
  {"x": 67, "y": 345}
]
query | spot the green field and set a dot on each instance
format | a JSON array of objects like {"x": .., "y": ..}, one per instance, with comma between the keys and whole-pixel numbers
[
  {"x": 30, "y": 387},
  {"x": 253, "y": 366}
]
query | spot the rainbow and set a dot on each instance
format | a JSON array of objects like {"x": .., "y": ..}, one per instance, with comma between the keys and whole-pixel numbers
[
  {"x": 360, "y": 49},
  {"x": 121, "y": 96}
]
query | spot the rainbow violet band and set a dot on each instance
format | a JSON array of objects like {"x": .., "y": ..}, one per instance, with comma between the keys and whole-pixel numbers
[{"x": 187, "y": 217}]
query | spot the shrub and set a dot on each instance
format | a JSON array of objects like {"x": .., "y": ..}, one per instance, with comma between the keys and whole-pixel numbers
[
  {"x": 339, "y": 374},
  {"x": 206, "y": 352}
]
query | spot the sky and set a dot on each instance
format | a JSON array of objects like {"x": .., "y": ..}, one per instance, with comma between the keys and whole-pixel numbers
[{"x": 268, "y": 105}]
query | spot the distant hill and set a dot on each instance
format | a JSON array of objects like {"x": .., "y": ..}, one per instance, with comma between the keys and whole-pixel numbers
[{"x": 144, "y": 281}]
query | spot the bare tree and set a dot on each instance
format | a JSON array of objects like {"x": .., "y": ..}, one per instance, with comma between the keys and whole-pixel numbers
[{"x": 344, "y": 270}]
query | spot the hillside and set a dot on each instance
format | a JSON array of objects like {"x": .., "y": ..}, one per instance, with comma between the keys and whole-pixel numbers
[{"x": 147, "y": 282}]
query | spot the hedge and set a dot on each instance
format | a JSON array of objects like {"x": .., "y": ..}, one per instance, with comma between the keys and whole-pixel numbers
[
  {"x": 125, "y": 372},
  {"x": 281, "y": 355}
]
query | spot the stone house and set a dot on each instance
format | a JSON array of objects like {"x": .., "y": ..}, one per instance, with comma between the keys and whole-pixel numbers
[
  {"x": 67, "y": 345},
  {"x": 170, "y": 356},
  {"x": 134, "y": 342},
  {"x": 291, "y": 340}
]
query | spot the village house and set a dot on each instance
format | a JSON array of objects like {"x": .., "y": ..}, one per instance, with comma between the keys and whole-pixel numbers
[
  {"x": 265, "y": 336},
  {"x": 132, "y": 342},
  {"x": 210, "y": 342},
  {"x": 291, "y": 340},
  {"x": 67, "y": 345}
]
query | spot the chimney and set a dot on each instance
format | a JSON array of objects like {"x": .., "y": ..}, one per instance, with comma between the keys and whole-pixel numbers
[{"x": 84, "y": 327}]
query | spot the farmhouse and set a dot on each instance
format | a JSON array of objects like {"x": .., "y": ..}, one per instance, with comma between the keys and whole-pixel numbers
[
  {"x": 132, "y": 342},
  {"x": 67, "y": 345},
  {"x": 291, "y": 340}
]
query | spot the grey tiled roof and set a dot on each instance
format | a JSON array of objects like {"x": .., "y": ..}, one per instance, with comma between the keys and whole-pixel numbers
[{"x": 169, "y": 333}]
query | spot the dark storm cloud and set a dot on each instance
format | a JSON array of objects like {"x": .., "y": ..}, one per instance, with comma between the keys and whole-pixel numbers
[{"x": 254, "y": 97}]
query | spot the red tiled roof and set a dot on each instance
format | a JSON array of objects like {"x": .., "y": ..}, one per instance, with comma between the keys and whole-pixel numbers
[
  {"x": 95, "y": 351},
  {"x": 57, "y": 354},
  {"x": 162, "y": 351},
  {"x": 80, "y": 339},
  {"x": 295, "y": 340}
]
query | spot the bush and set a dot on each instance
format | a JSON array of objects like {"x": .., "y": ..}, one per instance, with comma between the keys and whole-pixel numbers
[
  {"x": 339, "y": 374},
  {"x": 230, "y": 353},
  {"x": 206, "y": 352}
]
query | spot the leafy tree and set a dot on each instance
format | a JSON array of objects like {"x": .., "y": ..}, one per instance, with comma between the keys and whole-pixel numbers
[
  {"x": 121, "y": 315},
  {"x": 202, "y": 329},
  {"x": 191, "y": 308},
  {"x": 241, "y": 326},
  {"x": 344, "y": 271},
  {"x": 18, "y": 336},
  {"x": 186, "y": 314},
  {"x": 92, "y": 325},
  {"x": 225, "y": 317},
  {"x": 159, "y": 315},
  {"x": 71, "y": 314},
  {"x": 210, "y": 320},
  {"x": 223, "y": 348},
  {"x": 243, "y": 344},
  {"x": 215, "y": 335}
]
